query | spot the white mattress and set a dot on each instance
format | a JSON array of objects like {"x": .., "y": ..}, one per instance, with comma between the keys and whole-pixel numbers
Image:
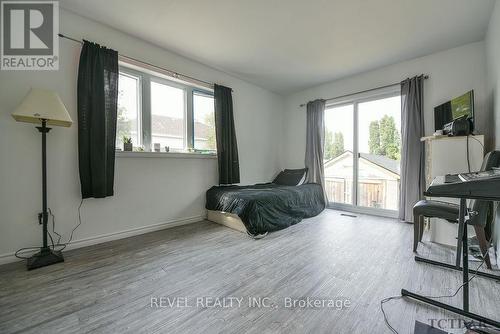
[{"x": 227, "y": 219}]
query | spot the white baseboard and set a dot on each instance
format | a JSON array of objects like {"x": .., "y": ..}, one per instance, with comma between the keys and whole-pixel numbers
[{"x": 10, "y": 257}]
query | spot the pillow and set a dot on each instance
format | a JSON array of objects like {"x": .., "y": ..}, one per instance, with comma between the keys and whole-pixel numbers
[{"x": 291, "y": 177}]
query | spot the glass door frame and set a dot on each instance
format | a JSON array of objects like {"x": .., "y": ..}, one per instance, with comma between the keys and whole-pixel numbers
[{"x": 355, "y": 100}]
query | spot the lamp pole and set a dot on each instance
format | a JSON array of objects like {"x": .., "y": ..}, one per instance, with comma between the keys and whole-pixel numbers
[
  {"x": 45, "y": 215},
  {"x": 46, "y": 256}
]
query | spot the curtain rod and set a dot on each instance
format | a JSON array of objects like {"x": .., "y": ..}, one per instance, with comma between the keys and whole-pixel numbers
[
  {"x": 363, "y": 91},
  {"x": 170, "y": 72}
]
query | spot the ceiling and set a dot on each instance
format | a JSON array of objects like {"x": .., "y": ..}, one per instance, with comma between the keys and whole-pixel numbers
[{"x": 289, "y": 45}]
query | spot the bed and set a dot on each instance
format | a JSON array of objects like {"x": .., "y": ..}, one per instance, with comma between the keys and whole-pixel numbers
[{"x": 261, "y": 208}]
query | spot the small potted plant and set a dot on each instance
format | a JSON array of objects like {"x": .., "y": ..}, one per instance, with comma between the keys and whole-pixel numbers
[{"x": 127, "y": 144}]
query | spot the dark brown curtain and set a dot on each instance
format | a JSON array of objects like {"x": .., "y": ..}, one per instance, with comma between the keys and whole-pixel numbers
[
  {"x": 227, "y": 148},
  {"x": 97, "y": 109}
]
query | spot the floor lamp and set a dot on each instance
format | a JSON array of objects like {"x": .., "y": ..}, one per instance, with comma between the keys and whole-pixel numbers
[{"x": 43, "y": 107}]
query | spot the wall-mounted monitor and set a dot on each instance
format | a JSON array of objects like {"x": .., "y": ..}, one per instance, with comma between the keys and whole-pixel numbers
[{"x": 458, "y": 107}]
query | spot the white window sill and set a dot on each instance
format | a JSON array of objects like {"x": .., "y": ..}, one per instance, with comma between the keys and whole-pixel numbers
[{"x": 175, "y": 155}]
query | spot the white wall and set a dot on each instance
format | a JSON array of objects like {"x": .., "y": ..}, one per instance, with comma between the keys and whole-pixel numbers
[
  {"x": 493, "y": 67},
  {"x": 493, "y": 87},
  {"x": 148, "y": 191},
  {"x": 451, "y": 72}
]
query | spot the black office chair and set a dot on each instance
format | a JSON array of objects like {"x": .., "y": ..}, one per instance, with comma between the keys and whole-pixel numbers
[{"x": 449, "y": 212}]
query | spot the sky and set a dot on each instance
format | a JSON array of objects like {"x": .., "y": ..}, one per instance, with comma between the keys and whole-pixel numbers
[
  {"x": 340, "y": 119},
  {"x": 169, "y": 101},
  {"x": 202, "y": 106},
  {"x": 128, "y": 97}
]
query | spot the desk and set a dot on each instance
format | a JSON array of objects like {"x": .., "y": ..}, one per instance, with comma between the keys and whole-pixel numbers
[{"x": 486, "y": 189}]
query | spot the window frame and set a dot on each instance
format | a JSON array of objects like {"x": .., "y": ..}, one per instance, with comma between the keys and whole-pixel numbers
[{"x": 146, "y": 77}]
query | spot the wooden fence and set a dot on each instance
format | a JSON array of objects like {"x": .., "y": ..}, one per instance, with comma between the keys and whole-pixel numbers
[{"x": 371, "y": 192}]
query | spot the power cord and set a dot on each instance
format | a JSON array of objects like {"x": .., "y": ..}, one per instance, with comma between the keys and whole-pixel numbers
[
  {"x": 64, "y": 245},
  {"x": 468, "y": 158},
  {"x": 59, "y": 237},
  {"x": 382, "y": 302},
  {"x": 79, "y": 223},
  {"x": 51, "y": 240},
  {"x": 385, "y": 300},
  {"x": 473, "y": 137},
  {"x": 54, "y": 226},
  {"x": 16, "y": 254}
]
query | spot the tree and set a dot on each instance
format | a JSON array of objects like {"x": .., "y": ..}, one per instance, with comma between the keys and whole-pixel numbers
[
  {"x": 389, "y": 138},
  {"x": 210, "y": 123},
  {"x": 328, "y": 145},
  {"x": 338, "y": 144},
  {"x": 384, "y": 138},
  {"x": 374, "y": 137},
  {"x": 334, "y": 144},
  {"x": 123, "y": 124}
]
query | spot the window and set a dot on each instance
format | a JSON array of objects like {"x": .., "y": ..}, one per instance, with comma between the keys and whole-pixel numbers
[
  {"x": 160, "y": 113},
  {"x": 129, "y": 117},
  {"x": 379, "y": 124},
  {"x": 362, "y": 151},
  {"x": 339, "y": 140},
  {"x": 204, "y": 121},
  {"x": 168, "y": 121}
]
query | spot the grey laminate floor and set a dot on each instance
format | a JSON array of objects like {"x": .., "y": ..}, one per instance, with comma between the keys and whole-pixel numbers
[{"x": 108, "y": 288}]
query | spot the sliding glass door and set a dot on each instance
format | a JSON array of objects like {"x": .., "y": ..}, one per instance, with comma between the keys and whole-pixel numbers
[
  {"x": 379, "y": 147},
  {"x": 339, "y": 145},
  {"x": 362, "y": 153}
]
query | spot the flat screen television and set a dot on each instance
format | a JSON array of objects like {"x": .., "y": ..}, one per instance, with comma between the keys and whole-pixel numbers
[{"x": 461, "y": 106}]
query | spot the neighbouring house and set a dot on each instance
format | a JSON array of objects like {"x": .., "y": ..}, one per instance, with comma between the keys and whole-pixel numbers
[
  {"x": 378, "y": 180},
  {"x": 169, "y": 131}
]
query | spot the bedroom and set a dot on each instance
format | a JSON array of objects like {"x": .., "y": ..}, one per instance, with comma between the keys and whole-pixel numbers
[{"x": 151, "y": 239}]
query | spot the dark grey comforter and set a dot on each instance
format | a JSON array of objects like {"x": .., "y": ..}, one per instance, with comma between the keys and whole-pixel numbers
[{"x": 267, "y": 207}]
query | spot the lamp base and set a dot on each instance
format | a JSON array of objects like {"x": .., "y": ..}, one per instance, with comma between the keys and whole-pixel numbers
[{"x": 45, "y": 257}]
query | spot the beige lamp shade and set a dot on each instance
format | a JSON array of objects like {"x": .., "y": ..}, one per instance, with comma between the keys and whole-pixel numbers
[{"x": 42, "y": 104}]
